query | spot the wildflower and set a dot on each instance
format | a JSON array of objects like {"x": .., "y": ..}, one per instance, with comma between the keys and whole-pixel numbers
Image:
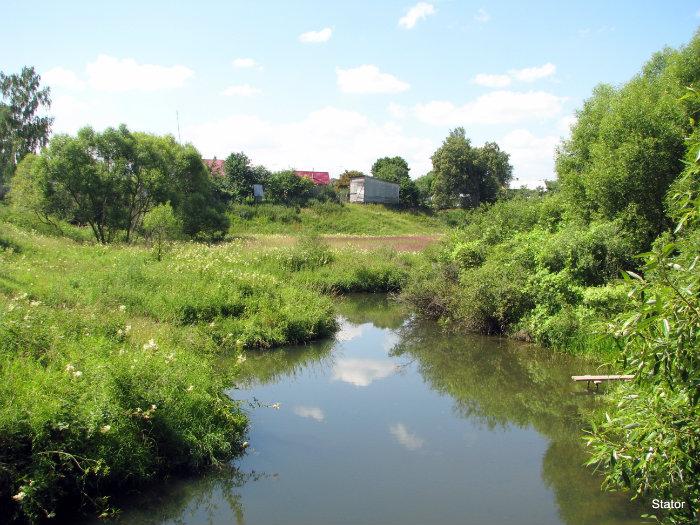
[
  {"x": 69, "y": 367},
  {"x": 105, "y": 428},
  {"x": 190, "y": 388},
  {"x": 34, "y": 303},
  {"x": 151, "y": 345},
  {"x": 11, "y": 307},
  {"x": 240, "y": 359},
  {"x": 77, "y": 374},
  {"x": 19, "y": 496},
  {"x": 127, "y": 329},
  {"x": 120, "y": 332},
  {"x": 169, "y": 357},
  {"x": 122, "y": 307}
]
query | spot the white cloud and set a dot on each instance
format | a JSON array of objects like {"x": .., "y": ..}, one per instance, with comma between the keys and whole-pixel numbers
[
  {"x": 418, "y": 12},
  {"x": 698, "y": 13},
  {"x": 482, "y": 16},
  {"x": 407, "y": 439},
  {"x": 241, "y": 90},
  {"x": 362, "y": 372},
  {"x": 530, "y": 74},
  {"x": 108, "y": 73},
  {"x": 496, "y": 107},
  {"x": 493, "y": 81},
  {"x": 316, "y": 37},
  {"x": 565, "y": 123},
  {"x": 314, "y": 413},
  {"x": 368, "y": 79},
  {"x": 244, "y": 63},
  {"x": 349, "y": 331},
  {"x": 59, "y": 77},
  {"x": 397, "y": 110},
  {"x": 329, "y": 139},
  {"x": 532, "y": 157},
  {"x": 69, "y": 113}
]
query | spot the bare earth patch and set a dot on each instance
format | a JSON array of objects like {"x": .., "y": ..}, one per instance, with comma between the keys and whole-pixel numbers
[{"x": 402, "y": 243}]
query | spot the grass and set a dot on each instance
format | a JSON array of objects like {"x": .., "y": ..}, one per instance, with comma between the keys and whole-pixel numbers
[
  {"x": 333, "y": 218},
  {"x": 108, "y": 358}
]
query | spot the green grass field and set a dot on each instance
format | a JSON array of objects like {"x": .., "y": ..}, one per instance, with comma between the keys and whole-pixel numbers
[{"x": 332, "y": 219}]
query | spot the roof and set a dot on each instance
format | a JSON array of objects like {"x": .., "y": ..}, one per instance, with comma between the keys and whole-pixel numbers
[
  {"x": 215, "y": 165},
  {"x": 375, "y": 178},
  {"x": 320, "y": 178}
]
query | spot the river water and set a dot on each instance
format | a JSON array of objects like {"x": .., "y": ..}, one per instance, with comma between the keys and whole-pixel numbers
[{"x": 395, "y": 422}]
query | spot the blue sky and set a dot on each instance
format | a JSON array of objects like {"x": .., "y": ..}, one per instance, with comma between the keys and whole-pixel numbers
[{"x": 333, "y": 86}]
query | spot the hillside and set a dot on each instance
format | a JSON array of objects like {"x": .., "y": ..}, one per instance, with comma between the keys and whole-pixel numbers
[{"x": 330, "y": 218}]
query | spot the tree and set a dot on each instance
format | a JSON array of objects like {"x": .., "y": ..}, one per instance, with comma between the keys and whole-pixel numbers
[
  {"x": 466, "y": 175},
  {"x": 110, "y": 180},
  {"x": 160, "y": 225},
  {"x": 239, "y": 176},
  {"x": 626, "y": 147},
  {"x": 395, "y": 169},
  {"x": 424, "y": 185},
  {"x": 344, "y": 179},
  {"x": 648, "y": 442},
  {"x": 22, "y": 130},
  {"x": 285, "y": 187}
]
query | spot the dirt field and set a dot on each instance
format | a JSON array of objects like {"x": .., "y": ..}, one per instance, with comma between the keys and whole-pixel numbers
[{"x": 402, "y": 243}]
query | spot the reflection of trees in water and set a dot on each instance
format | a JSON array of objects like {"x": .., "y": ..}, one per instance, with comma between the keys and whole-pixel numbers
[
  {"x": 270, "y": 366},
  {"x": 500, "y": 383},
  {"x": 207, "y": 498},
  {"x": 378, "y": 309}
]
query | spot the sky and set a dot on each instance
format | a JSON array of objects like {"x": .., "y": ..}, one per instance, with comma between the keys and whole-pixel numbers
[{"x": 330, "y": 86}]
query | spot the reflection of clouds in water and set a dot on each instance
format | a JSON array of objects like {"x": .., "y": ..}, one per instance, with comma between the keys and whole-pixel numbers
[
  {"x": 362, "y": 372},
  {"x": 309, "y": 412},
  {"x": 390, "y": 341},
  {"x": 405, "y": 437},
  {"x": 349, "y": 331}
]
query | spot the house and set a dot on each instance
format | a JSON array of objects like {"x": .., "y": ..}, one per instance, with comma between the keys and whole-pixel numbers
[
  {"x": 368, "y": 189},
  {"x": 215, "y": 165},
  {"x": 319, "y": 178}
]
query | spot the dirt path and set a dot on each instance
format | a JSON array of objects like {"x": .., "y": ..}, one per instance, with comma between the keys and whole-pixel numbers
[{"x": 402, "y": 243}]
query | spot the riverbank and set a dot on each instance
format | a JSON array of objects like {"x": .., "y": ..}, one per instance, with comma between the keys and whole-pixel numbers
[{"x": 107, "y": 376}]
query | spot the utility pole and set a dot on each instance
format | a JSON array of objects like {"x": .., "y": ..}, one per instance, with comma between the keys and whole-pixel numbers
[{"x": 177, "y": 117}]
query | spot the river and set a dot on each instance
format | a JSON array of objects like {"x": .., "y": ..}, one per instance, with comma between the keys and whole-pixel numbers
[{"x": 395, "y": 422}]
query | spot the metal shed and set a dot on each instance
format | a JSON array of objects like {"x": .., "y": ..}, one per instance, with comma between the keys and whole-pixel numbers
[{"x": 368, "y": 189}]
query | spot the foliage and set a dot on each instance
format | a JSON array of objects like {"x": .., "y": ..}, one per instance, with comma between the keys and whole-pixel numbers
[
  {"x": 285, "y": 187},
  {"x": 22, "y": 129},
  {"x": 649, "y": 442},
  {"x": 344, "y": 179},
  {"x": 238, "y": 178},
  {"x": 395, "y": 169},
  {"x": 109, "y": 180},
  {"x": 465, "y": 175},
  {"x": 160, "y": 226},
  {"x": 626, "y": 147}
]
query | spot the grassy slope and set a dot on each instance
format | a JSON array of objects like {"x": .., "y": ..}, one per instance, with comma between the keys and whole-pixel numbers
[
  {"x": 92, "y": 338},
  {"x": 329, "y": 218}
]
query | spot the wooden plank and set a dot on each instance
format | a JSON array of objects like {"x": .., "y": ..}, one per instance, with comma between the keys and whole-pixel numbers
[{"x": 603, "y": 378}]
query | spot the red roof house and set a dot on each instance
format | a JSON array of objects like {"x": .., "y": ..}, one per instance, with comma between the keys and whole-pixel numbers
[
  {"x": 320, "y": 178},
  {"x": 216, "y": 166}
]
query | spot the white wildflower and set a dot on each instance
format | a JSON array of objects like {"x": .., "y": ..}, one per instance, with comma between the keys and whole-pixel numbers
[
  {"x": 34, "y": 303},
  {"x": 151, "y": 345},
  {"x": 69, "y": 367},
  {"x": 19, "y": 496},
  {"x": 105, "y": 428},
  {"x": 122, "y": 307},
  {"x": 77, "y": 374}
]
